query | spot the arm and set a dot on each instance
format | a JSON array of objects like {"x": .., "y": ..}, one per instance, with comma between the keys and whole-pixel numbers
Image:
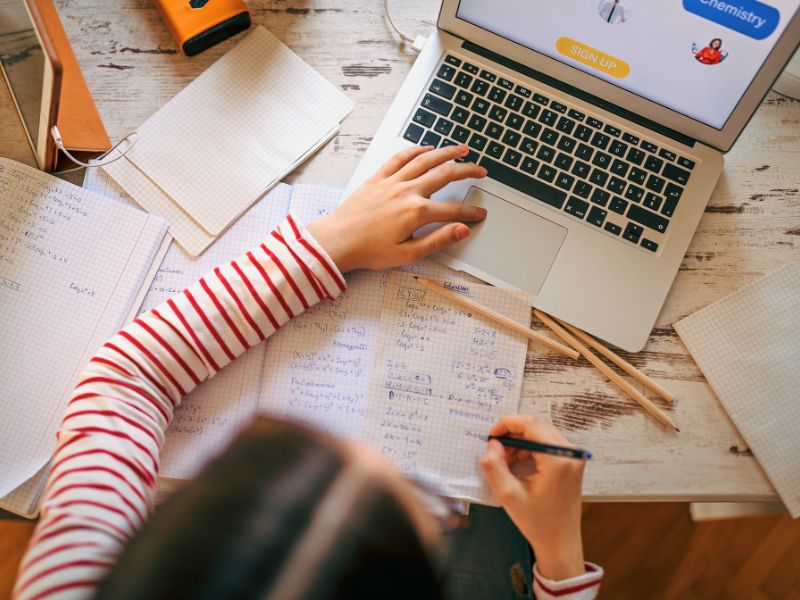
[
  {"x": 543, "y": 497},
  {"x": 102, "y": 483}
]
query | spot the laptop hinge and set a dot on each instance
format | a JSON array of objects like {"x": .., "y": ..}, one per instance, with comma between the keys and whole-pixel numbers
[{"x": 578, "y": 93}]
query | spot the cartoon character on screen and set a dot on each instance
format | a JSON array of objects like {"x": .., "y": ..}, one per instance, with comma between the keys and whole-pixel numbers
[
  {"x": 712, "y": 54},
  {"x": 614, "y": 11}
]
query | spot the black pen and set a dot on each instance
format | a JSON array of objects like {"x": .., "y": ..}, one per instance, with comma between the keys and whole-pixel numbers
[{"x": 543, "y": 448}]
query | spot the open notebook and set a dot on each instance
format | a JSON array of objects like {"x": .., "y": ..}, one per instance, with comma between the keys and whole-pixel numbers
[
  {"x": 72, "y": 264},
  {"x": 322, "y": 369}
]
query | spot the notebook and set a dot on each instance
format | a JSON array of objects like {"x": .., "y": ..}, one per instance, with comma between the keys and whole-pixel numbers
[
  {"x": 71, "y": 267},
  {"x": 318, "y": 368},
  {"x": 748, "y": 347},
  {"x": 230, "y": 135}
]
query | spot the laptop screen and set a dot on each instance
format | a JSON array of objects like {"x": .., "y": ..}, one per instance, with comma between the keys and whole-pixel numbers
[{"x": 696, "y": 57}]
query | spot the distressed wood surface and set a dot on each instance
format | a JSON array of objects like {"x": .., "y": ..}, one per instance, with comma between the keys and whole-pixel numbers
[{"x": 751, "y": 226}]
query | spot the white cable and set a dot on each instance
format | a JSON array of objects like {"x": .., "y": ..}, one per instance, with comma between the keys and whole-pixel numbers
[
  {"x": 417, "y": 42},
  {"x": 60, "y": 144}
]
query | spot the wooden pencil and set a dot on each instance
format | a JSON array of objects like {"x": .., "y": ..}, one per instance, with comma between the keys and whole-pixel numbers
[
  {"x": 497, "y": 317},
  {"x": 605, "y": 369},
  {"x": 620, "y": 362}
]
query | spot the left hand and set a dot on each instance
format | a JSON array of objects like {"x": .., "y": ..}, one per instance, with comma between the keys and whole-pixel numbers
[{"x": 372, "y": 229}]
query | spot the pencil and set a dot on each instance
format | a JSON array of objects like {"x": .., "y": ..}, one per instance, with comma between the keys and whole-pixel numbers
[
  {"x": 543, "y": 448},
  {"x": 620, "y": 362},
  {"x": 497, "y": 317},
  {"x": 605, "y": 369}
]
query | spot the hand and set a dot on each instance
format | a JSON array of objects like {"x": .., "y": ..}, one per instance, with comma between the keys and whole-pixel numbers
[
  {"x": 372, "y": 228},
  {"x": 542, "y": 495}
]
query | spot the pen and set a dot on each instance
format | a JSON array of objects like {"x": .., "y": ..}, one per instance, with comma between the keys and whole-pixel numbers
[{"x": 543, "y": 448}]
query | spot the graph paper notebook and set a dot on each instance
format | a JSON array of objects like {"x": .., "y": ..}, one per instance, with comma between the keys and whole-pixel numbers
[
  {"x": 71, "y": 266},
  {"x": 748, "y": 347},
  {"x": 231, "y": 134}
]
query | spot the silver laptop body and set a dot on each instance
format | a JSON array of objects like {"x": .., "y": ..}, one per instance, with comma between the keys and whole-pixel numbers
[{"x": 603, "y": 262}]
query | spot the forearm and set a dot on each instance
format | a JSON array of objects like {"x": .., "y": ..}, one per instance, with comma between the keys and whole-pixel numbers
[{"x": 102, "y": 483}]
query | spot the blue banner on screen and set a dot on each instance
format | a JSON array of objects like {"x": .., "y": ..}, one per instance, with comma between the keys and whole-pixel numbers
[{"x": 749, "y": 17}]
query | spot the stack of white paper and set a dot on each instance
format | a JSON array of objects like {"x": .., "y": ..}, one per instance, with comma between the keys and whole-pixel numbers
[{"x": 228, "y": 137}]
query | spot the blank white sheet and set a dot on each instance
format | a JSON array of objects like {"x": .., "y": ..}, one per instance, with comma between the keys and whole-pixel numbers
[{"x": 238, "y": 128}]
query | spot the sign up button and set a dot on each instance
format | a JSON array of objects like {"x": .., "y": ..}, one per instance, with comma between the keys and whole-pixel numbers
[{"x": 616, "y": 67}]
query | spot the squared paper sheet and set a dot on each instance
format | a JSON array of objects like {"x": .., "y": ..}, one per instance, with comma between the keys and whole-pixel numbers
[
  {"x": 748, "y": 347},
  {"x": 209, "y": 417},
  {"x": 242, "y": 125},
  {"x": 317, "y": 368},
  {"x": 71, "y": 265},
  {"x": 442, "y": 377}
]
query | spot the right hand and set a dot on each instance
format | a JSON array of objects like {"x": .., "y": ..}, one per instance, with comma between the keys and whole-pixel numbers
[
  {"x": 543, "y": 498},
  {"x": 373, "y": 228}
]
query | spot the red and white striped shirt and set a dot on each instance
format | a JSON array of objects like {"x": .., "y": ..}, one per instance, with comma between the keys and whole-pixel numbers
[{"x": 102, "y": 483}]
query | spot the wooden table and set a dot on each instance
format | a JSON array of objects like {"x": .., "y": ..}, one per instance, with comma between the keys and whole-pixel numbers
[{"x": 751, "y": 226}]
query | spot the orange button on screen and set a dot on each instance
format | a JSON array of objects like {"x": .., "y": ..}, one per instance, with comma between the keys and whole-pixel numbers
[{"x": 596, "y": 59}]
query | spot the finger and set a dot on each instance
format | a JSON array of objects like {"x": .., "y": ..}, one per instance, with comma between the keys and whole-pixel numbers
[
  {"x": 435, "y": 241},
  {"x": 530, "y": 427},
  {"x": 426, "y": 161},
  {"x": 513, "y": 424},
  {"x": 400, "y": 159},
  {"x": 434, "y": 211},
  {"x": 435, "y": 179},
  {"x": 504, "y": 485}
]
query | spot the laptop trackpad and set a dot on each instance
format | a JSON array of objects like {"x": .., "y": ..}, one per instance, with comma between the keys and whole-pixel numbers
[{"x": 512, "y": 243}]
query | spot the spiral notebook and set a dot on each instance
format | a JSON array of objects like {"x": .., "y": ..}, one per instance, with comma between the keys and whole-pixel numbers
[{"x": 748, "y": 347}]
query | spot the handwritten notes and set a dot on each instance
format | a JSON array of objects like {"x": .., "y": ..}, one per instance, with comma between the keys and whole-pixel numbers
[
  {"x": 318, "y": 367},
  {"x": 442, "y": 377},
  {"x": 71, "y": 266}
]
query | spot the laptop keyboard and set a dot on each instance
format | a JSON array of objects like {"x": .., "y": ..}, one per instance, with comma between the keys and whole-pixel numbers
[{"x": 605, "y": 176}]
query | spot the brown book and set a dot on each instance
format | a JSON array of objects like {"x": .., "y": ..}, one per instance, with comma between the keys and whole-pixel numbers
[{"x": 77, "y": 118}]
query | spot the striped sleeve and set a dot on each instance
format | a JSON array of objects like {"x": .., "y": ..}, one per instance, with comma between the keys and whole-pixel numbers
[
  {"x": 102, "y": 483},
  {"x": 582, "y": 587}
]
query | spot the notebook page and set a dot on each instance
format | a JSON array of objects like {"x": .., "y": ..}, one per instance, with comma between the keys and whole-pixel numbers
[
  {"x": 71, "y": 264},
  {"x": 442, "y": 378},
  {"x": 210, "y": 416},
  {"x": 748, "y": 347},
  {"x": 225, "y": 138},
  {"x": 317, "y": 368}
]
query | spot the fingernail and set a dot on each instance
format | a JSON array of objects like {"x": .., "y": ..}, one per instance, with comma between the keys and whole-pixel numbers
[
  {"x": 462, "y": 232},
  {"x": 483, "y": 212},
  {"x": 485, "y": 171}
]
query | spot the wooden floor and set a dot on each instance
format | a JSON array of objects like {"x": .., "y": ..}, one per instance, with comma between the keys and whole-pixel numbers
[{"x": 649, "y": 551}]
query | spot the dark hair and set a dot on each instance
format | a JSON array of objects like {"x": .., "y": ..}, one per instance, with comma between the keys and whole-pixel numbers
[
  {"x": 258, "y": 520},
  {"x": 711, "y": 43}
]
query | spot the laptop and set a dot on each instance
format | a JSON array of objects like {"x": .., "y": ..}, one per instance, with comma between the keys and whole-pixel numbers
[{"x": 602, "y": 124}]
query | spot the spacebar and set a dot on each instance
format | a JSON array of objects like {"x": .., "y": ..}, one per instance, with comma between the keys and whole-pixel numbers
[{"x": 527, "y": 185}]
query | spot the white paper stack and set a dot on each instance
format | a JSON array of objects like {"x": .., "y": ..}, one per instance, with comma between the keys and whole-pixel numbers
[{"x": 228, "y": 137}]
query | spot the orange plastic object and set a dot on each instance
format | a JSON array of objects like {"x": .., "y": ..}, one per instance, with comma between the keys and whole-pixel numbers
[{"x": 199, "y": 24}]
